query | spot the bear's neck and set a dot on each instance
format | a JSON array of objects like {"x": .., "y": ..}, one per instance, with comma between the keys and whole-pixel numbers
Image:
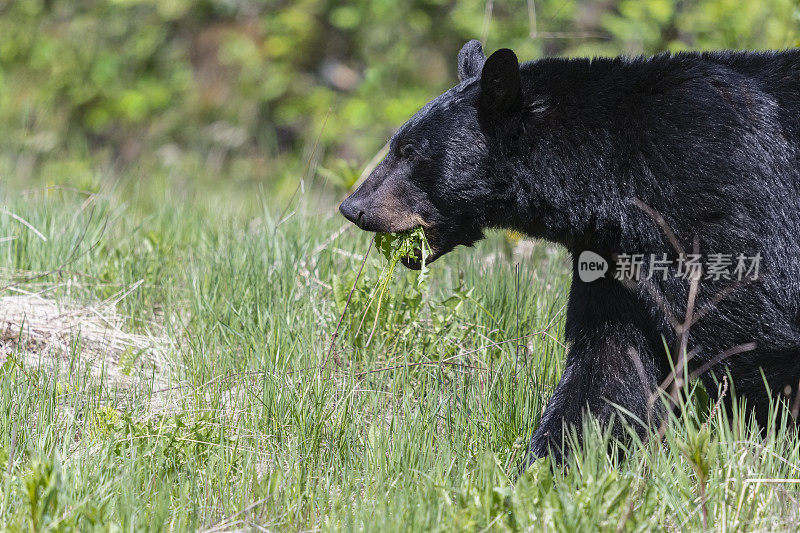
[{"x": 562, "y": 172}]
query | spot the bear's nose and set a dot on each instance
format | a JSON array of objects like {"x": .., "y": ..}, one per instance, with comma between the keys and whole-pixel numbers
[{"x": 352, "y": 211}]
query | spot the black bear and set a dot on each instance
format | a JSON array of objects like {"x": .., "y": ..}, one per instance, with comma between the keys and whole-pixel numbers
[{"x": 645, "y": 169}]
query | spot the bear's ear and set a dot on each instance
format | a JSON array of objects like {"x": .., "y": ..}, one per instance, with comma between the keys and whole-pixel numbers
[
  {"x": 501, "y": 87},
  {"x": 470, "y": 60}
]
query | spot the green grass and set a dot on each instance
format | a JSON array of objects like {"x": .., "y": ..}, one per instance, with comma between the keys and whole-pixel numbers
[{"x": 252, "y": 419}]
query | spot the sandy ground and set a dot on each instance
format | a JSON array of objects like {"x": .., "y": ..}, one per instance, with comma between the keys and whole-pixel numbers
[{"x": 36, "y": 331}]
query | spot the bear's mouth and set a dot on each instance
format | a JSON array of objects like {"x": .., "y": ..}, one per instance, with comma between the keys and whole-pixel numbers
[
  {"x": 415, "y": 262},
  {"x": 441, "y": 241}
]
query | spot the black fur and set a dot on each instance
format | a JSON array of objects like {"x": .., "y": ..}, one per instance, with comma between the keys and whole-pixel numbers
[
  {"x": 570, "y": 150},
  {"x": 470, "y": 60}
]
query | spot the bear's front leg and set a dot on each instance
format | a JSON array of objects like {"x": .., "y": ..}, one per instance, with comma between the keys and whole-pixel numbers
[{"x": 615, "y": 360}]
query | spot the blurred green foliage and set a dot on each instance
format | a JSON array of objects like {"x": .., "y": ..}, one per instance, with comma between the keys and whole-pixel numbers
[{"x": 244, "y": 87}]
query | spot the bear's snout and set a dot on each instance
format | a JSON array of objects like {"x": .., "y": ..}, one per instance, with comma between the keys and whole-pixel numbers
[
  {"x": 379, "y": 211},
  {"x": 352, "y": 211}
]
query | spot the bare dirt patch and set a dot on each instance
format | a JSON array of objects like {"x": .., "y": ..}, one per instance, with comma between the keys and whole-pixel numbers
[{"x": 44, "y": 332}]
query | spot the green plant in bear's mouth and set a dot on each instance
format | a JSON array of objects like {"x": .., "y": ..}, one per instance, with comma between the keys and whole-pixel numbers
[
  {"x": 411, "y": 244},
  {"x": 405, "y": 244}
]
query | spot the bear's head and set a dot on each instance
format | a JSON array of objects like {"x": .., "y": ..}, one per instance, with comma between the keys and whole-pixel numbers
[{"x": 437, "y": 172}]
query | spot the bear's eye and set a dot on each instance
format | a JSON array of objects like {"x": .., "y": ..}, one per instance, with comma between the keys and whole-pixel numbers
[{"x": 407, "y": 151}]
